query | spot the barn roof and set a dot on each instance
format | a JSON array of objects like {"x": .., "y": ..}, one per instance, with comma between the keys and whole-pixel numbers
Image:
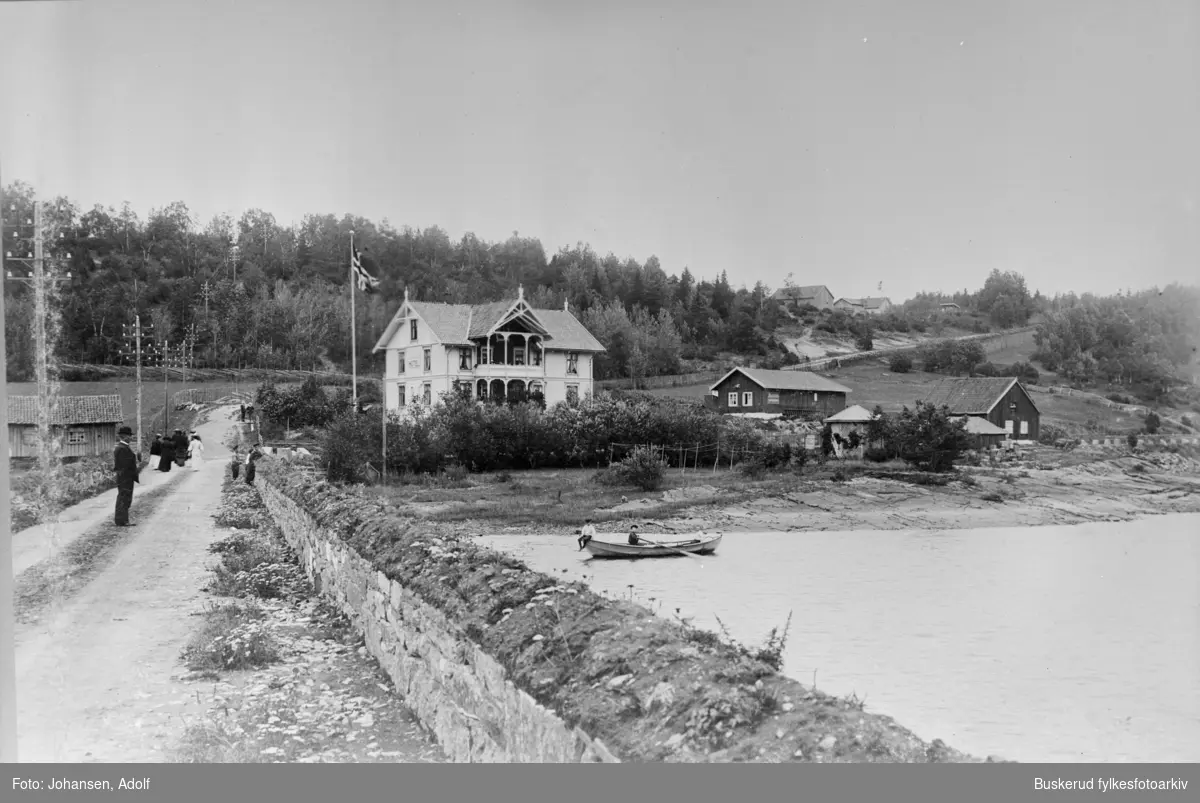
[
  {"x": 68, "y": 410},
  {"x": 787, "y": 380},
  {"x": 970, "y": 395}
]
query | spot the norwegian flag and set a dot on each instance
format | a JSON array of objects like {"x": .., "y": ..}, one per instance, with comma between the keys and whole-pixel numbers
[{"x": 366, "y": 282}]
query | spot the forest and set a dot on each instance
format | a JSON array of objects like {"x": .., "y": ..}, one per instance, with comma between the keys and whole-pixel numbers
[{"x": 251, "y": 292}]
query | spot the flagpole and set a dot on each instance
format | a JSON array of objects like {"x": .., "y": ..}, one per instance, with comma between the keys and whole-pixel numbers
[{"x": 353, "y": 344}]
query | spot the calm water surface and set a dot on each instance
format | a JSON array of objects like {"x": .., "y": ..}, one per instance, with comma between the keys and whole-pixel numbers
[{"x": 1077, "y": 643}]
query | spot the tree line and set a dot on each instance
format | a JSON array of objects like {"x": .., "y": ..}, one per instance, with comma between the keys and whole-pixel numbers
[{"x": 253, "y": 292}]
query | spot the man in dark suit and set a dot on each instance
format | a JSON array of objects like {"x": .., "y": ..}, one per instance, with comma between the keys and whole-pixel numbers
[{"x": 126, "y": 467}]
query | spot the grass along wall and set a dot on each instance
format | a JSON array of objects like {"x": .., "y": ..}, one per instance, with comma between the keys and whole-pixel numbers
[{"x": 505, "y": 664}]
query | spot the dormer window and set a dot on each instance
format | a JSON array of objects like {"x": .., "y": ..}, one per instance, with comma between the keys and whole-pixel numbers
[{"x": 412, "y": 329}]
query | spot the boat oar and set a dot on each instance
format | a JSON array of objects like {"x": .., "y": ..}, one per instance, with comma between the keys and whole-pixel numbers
[{"x": 668, "y": 546}]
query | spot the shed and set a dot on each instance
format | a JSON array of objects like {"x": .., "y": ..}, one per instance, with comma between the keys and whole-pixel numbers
[
  {"x": 799, "y": 394},
  {"x": 87, "y": 425},
  {"x": 854, "y": 418},
  {"x": 999, "y": 399},
  {"x": 984, "y": 434}
]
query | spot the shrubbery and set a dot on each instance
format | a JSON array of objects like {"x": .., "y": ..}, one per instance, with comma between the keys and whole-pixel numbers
[
  {"x": 949, "y": 356},
  {"x": 900, "y": 363},
  {"x": 929, "y": 438},
  {"x": 643, "y": 468},
  {"x": 489, "y": 437}
]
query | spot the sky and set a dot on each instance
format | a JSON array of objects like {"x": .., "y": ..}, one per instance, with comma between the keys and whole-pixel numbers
[{"x": 878, "y": 148}]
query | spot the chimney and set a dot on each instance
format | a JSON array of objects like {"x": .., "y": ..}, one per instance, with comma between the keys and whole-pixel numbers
[
  {"x": 566, "y": 305},
  {"x": 520, "y": 292},
  {"x": 406, "y": 294}
]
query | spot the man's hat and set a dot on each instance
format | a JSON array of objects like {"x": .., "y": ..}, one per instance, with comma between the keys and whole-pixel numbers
[{"x": 124, "y": 431}]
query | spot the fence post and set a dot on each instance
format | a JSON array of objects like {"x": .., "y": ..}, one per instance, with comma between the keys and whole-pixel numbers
[{"x": 717, "y": 459}]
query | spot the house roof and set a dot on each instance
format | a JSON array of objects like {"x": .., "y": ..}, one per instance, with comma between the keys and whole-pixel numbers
[
  {"x": 787, "y": 380},
  {"x": 868, "y": 303},
  {"x": 981, "y": 426},
  {"x": 68, "y": 410},
  {"x": 854, "y": 414},
  {"x": 458, "y": 324},
  {"x": 970, "y": 395},
  {"x": 807, "y": 291}
]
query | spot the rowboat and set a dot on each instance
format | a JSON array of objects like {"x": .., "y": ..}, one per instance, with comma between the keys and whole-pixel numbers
[{"x": 702, "y": 544}]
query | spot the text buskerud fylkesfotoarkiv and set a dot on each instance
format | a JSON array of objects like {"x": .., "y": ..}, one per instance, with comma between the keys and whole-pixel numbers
[
  {"x": 55, "y": 784},
  {"x": 1113, "y": 784}
]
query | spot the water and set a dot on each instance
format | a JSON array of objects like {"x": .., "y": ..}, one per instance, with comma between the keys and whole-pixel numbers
[{"x": 1073, "y": 643}]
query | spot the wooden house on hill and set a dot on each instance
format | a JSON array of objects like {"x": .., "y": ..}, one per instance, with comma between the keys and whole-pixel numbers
[
  {"x": 799, "y": 394},
  {"x": 817, "y": 295},
  {"x": 1001, "y": 400},
  {"x": 87, "y": 425}
]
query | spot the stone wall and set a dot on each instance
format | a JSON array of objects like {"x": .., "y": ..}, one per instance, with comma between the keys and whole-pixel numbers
[{"x": 459, "y": 692}]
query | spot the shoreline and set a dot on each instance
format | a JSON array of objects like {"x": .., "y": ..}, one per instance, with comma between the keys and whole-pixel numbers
[{"x": 1047, "y": 488}]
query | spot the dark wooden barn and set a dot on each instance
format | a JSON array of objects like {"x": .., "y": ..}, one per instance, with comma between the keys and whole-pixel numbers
[
  {"x": 87, "y": 425},
  {"x": 1001, "y": 400},
  {"x": 798, "y": 394}
]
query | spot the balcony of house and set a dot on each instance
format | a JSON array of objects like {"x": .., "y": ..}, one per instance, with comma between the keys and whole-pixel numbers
[{"x": 509, "y": 355}]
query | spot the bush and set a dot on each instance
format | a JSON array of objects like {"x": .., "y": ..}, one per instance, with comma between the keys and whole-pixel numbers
[
  {"x": 1153, "y": 422},
  {"x": 877, "y": 455},
  {"x": 642, "y": 468},
  {"x": 1132, "y": 440},
  {"x": 1187, "y": 422},
  {"x": 864, "y": 342},
  {"x": 985, "y": 369},
  {"x": 929, "y": 438},
  {"x": 900, "y": 363}
]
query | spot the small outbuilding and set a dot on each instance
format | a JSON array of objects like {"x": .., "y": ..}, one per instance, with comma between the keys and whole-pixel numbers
[
  {"x": 1001, "y": 400},
  {"x": 984, "y": 434},
  {"x": 87, "y": 425},
  {"x": 854, "y": 418},
  {"x": 789, "y": 394}
]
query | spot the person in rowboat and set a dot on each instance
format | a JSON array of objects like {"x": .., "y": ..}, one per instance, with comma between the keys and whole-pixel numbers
[
  {"x": 633, "y": 535},
  {"x": 587, "y": 533}
]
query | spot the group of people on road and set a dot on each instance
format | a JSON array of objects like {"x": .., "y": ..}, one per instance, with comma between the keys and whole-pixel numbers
[{"x": 178, "y": 449}]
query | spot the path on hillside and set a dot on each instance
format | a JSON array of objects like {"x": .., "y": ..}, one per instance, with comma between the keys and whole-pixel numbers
[{"x": 94, "y": 679}]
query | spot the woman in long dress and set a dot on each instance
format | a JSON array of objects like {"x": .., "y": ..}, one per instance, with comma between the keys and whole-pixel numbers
[
  {"x": 155, "y": 452},
  {"x": 196, "y": 452}
]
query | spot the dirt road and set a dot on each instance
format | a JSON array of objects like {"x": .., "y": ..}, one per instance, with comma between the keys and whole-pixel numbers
[{"x": 95, "y": 680}]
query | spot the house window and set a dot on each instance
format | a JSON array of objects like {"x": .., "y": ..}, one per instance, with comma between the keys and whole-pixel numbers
[
  {"x": 76, "y": 437},
  {"x": 464, "y": 359},
  {"x": 572, "y": 363},
  {"x": 1024, "y": 427},
  {"x": 400, "y": 370},
  {"x": 1010, "y": 425},
  {"x": 29, "y": 435},
  {"x": 412, "y": 329},
  {"x": 535, "y": 356},
  {"x": 401, "y": 390},
  {"x": 748, "y": 399},
  {"x": 519, "y": 355},
  {"x": 572, "y": 394},
  {"x": 815, "y": 397},
  {"x": 428, "y": 359},
  {"x": 733, "y": 397},
  {"x": 427, "y": 393},
  {"x": 772, "y": 398}
]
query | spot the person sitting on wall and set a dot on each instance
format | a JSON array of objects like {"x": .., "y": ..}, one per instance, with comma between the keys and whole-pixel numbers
[{"x": 633, "y": 535}]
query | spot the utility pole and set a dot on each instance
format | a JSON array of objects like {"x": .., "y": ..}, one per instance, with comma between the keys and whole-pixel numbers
[
  {"x": 8, "y": 662},
  {"x": 134, "y": 335}
]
